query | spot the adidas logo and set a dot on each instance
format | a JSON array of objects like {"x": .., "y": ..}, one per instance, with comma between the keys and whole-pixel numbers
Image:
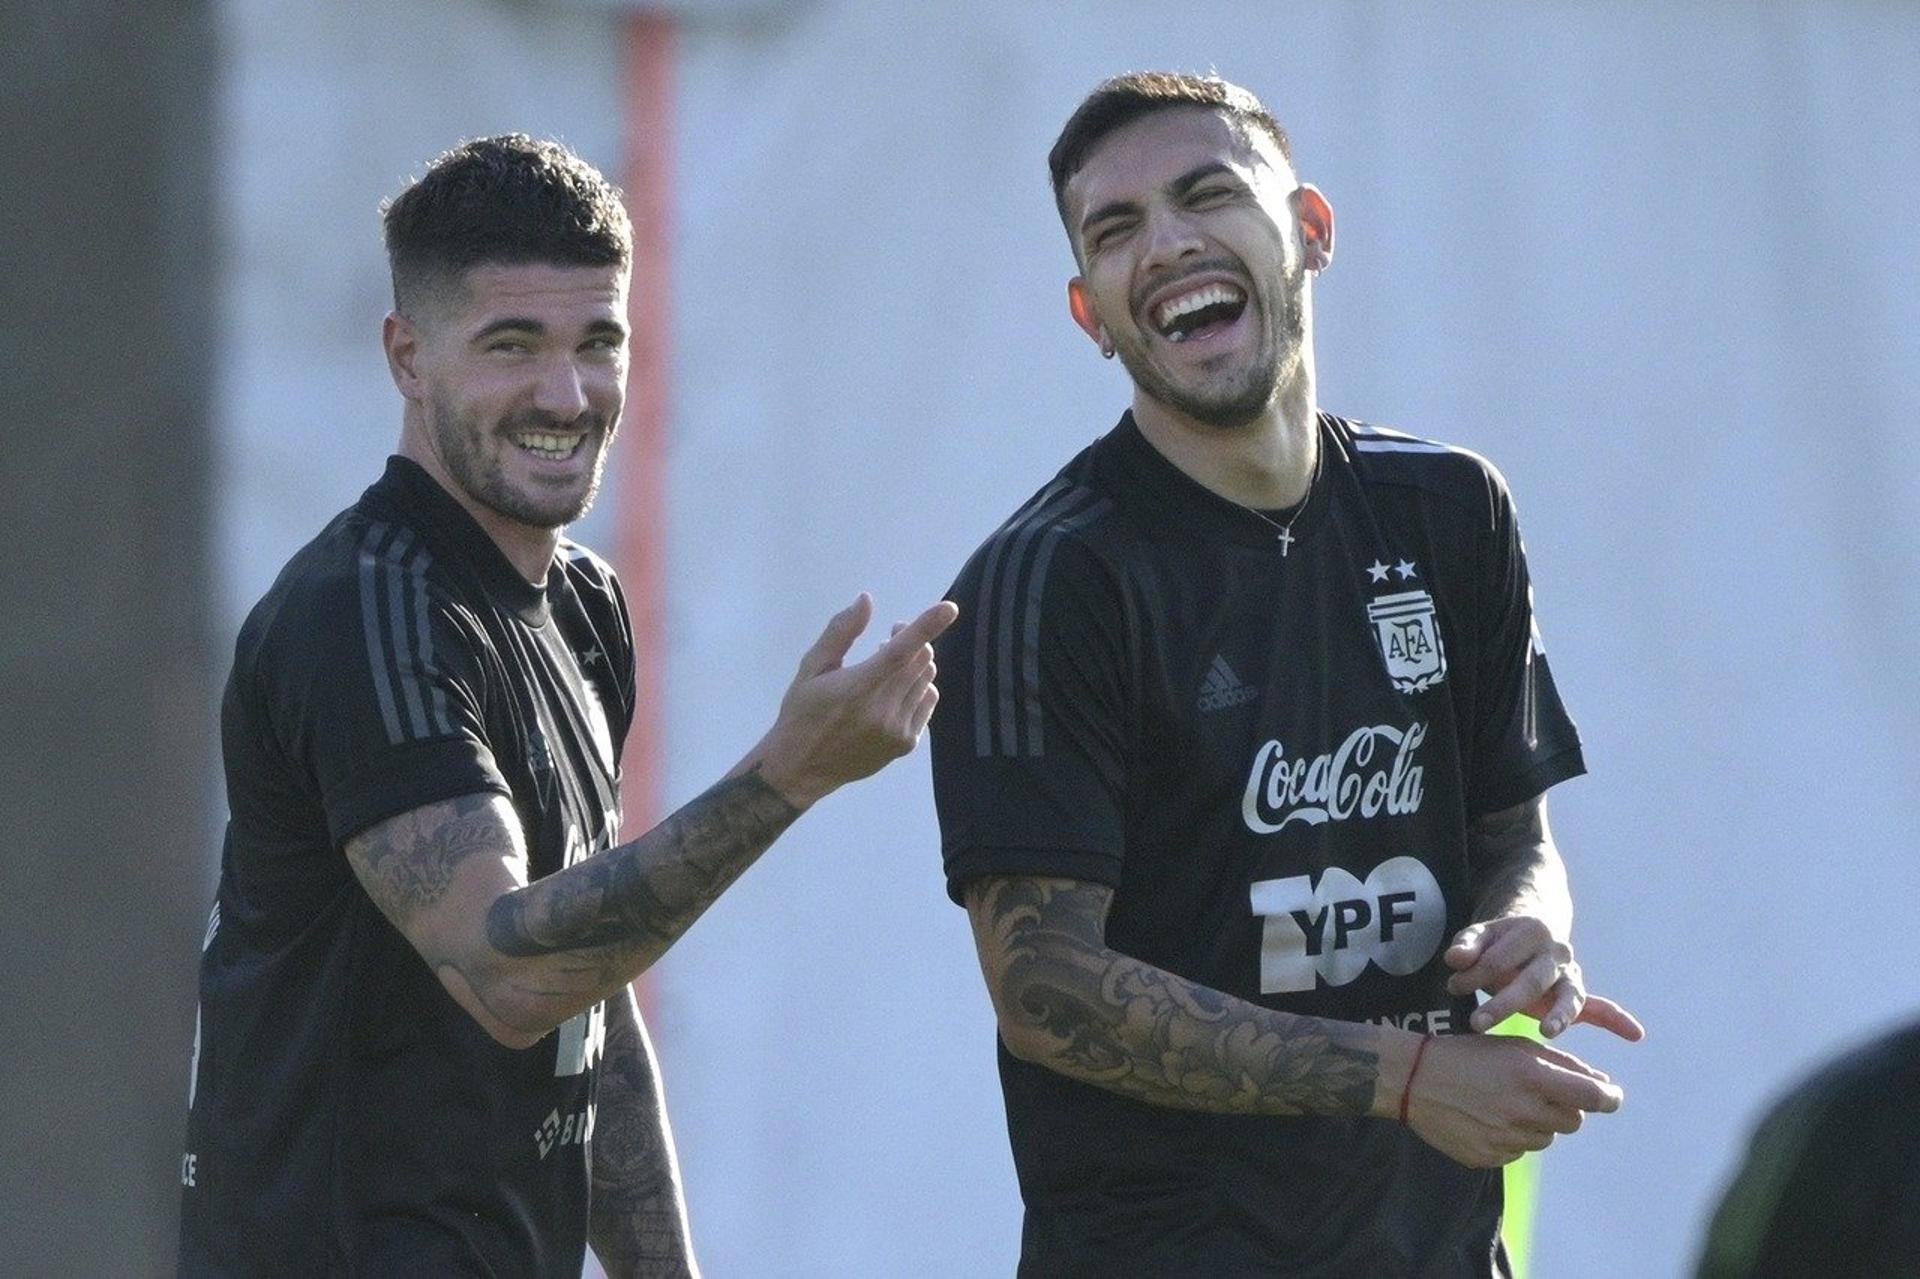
[{"x": 1223, "y": 688}]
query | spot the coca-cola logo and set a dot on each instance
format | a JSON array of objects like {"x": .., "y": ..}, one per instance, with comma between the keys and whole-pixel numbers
[{"x": 1356, "y": 779}]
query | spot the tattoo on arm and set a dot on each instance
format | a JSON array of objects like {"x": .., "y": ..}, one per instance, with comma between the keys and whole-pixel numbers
[
  {"x": 1106, "y": 1019},
  {"x": 638, "y": 898},
  {"x": 408, "y": 862},
  {"x": 1517, "y": 866},
  {"x": 541, "y": 952},
  {"x": 638, "y": 1225}
]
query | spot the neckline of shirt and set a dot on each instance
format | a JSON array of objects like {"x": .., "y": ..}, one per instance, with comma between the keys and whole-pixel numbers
[
  {"x": 1189, "y": 503},
  {"x": 451, "y": 526}
]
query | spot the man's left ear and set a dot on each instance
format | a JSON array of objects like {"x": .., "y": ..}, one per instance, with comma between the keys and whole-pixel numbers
[
  {"x": 402, "y": 343},
  {"x": 1080, "y": 303},
  {"x": 1316, "y": 226}
]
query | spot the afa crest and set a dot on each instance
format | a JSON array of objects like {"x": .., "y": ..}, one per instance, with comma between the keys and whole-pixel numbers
[{"x": 1409, "y": 639}]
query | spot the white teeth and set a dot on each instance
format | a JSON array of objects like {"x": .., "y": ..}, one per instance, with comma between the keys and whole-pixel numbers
[
  {"x": 1187, "y": 303},
  {"x": 549, "y": 446}
]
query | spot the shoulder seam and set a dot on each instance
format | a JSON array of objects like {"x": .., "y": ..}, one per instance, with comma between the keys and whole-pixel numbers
[
  {"x": 1472, "y": 500},
  {"x": 1368, "y": 438}
]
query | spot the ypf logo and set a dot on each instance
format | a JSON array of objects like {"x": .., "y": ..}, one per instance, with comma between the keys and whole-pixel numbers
[{"x": 1394, "y": 919}]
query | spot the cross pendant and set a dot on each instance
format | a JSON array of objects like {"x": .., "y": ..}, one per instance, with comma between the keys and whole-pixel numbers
[{"x": 1286, "y": 542}]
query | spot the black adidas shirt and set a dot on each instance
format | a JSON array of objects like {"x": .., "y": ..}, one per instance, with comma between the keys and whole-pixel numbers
[
  {"x": 1273, "y": 759},
  {"x": 348, "y": 1117}
]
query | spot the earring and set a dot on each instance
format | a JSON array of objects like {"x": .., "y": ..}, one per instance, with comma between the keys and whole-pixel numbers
[{"x": 1106, "y": 347}]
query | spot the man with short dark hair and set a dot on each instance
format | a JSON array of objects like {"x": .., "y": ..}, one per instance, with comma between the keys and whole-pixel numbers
[
  {"x": 417, "y": 1047},
  {"x": 1242, "y": 766}
]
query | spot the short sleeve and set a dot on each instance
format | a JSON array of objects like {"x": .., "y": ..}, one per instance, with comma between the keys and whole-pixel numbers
[
  {"x": 1028, "y": 745},
  {"x": 375, "y": 692},
  {"x": 1524, "y": 741}
]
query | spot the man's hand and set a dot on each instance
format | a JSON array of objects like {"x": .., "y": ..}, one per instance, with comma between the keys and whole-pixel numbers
[
  {"x": 1526, "y": 969},
  {"x": 1485, "y": 1100},
  {"x": 840, "y": 723}
]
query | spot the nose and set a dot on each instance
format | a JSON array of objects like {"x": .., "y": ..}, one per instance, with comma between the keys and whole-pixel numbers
[
  {"x": 1170, "y": 237},
  {"x": 561, "y": 392}
]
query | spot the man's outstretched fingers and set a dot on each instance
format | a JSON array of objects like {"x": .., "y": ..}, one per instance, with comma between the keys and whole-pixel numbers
[
  {"x": 910, "y": 704},
  {"x": 1478, "y": 959},
  {"x": 1567, "y": 1061},
  {"x": 842, "y": 629},
  {"x": 901, "y": 686},
  {"x": 1510, "y": 948},
  {"x": 1604, "y": 1013},
  {"x": 894, "y": 671},
  {"x": 924, "y": 711},
  {"x": 1579, "y": 1089},
  {"x": 1465, "y": 947},
  {"x": 1565, "y": 1002},
  {"x": 1516, "y": 991},
  {"x": 923, "y": 629},
  {"x": 922, "y": 681},
  {"x": 1567, "y": 1119}
]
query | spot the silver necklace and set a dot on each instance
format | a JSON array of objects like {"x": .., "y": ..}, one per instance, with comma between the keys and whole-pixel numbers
[{"x": 1285, "y": 535}]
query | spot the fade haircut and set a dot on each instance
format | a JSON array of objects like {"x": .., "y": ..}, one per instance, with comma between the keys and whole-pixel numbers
[
  {"x": 1125, "y": 98},
  {"x": 508, "y": 199}
]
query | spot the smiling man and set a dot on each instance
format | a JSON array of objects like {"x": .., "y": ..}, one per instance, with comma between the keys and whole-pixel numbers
[
  {"x": 1241, "y": 775},
  {"x": 418, "y": 1052}
]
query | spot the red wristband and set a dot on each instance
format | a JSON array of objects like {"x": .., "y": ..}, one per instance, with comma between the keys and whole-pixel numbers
[{"x": 1406, "y": 1094}]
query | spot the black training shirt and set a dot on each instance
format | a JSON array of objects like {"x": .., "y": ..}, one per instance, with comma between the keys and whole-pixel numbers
[
  {"x": 348, "y": 1117},
  {"x": 1269, "y": 736}
]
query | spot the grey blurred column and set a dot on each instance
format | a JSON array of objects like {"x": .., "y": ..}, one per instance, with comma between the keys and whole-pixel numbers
[{"x": 107, "y": 332}]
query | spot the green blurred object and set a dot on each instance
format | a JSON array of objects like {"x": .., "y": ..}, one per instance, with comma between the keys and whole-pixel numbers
[{"x": 1522, "y": 1176}]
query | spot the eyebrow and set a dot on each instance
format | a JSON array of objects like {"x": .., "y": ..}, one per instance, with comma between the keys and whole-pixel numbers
[
  {"x": 1199, "y": 173},
  {"x": 1178, "y": 187},
  {"x": 526, "y": 324}
]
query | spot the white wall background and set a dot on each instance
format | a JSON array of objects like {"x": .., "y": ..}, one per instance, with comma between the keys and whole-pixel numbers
[{"x": 1657, "y": 261}]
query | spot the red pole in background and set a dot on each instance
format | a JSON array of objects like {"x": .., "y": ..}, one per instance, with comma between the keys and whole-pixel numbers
[{"x": 639, "y": 552}]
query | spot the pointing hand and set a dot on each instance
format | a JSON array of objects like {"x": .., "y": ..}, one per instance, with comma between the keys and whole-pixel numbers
[
  {"x": 839, "y": 723},
  {"x": 1518, "y": 961}
]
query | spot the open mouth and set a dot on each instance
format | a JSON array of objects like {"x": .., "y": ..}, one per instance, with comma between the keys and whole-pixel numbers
[
  {"x": 549, "y": 447},
  {"x": 1199, "y": 312}
]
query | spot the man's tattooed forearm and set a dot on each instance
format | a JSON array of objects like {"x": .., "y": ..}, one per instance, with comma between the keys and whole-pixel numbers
[
  {"x": 644, "y": 894},
  {"x": 646, "y": 1239},
  {"x": 638, "y": 1226},
  {"x": 1144, "y": 1032},
  {"x": 1513, "y": 859},
  {"x": 410, "y": 860}
]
